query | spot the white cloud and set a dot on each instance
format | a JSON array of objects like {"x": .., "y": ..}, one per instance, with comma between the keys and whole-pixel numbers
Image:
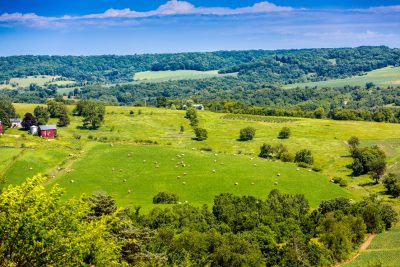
[
  {"x": 381, "y": 9},
  {"x": 172, "y": 7}
]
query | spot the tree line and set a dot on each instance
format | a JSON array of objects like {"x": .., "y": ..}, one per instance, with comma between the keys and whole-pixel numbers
[{"x": 279, "y": 230}]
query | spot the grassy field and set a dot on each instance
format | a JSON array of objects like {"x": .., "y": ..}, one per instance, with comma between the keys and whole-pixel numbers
[
  {"x": 384, "y": 249},
  {"x": 133, "y": 174},
  {"x": 39, "y": 80},
  {"x": 382, "y": 77},
  {"x": 75, "y": 155},
  {"x": 161, "y": 76}
]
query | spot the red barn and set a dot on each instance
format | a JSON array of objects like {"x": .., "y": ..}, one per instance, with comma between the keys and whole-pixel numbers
[
  {"x": 48, "y": 131},
  {"x": 1, "y": 128}
]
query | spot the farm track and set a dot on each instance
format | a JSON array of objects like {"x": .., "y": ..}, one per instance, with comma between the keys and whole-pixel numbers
[{"x": 362, "y": 248}]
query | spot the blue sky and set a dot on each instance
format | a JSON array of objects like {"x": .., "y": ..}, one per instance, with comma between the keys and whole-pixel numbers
[{"x": 87, "y": 27}]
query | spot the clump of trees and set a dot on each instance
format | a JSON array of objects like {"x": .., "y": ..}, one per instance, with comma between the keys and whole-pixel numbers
[
  {"x": 370, "y": 160},
  {"x": 279, "y": 151},
  {"x": 247, "y": 134},
  {"x": 42, "y": 115},
  {"x": 304, "y": 156},
  {"x": 165, "y": 198},
  {"x": 284, "y": 133},
  {"x": 92, "y": 112},
  {"x": 191, "y": 115}
]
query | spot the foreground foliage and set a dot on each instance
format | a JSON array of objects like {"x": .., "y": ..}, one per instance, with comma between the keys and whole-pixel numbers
[{"x": 238, "y": 231}]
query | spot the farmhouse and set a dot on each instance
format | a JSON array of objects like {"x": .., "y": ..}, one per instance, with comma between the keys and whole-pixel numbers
[
  {"x": 48, "y": 131},
  {"x": 15, "y": 123},
  {"x": 1, "y": 128}
]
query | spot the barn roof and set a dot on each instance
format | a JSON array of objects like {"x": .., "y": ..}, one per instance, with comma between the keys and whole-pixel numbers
[
  {"x": 15, "y": 120},
  {"x": 47, "y": 127}
]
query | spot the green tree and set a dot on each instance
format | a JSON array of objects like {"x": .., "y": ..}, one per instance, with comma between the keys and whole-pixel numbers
[
  {"x": 42, "y": 115},
  {"x": 38, "y": 229},
  {"x": 191, "y": 115},
  {"x": 93, "y": 114},
  {"x": 377, "y": 168},
  {"x": 319, "y": 113},
  {"x": 63, "y": 119},
  {"x": 353, "y": 142},
  {"x": 305, "y": 156},
  {"x": 392, "y": 184},
  {"x": 7, "y": 111},
  {"x": 28, "y": 121},
  {"x": 247, "y": 134},
  {"x": 55, "y": 108},
  {"x": 201, "y": 134},
  {"x": 284, "y": 133}
]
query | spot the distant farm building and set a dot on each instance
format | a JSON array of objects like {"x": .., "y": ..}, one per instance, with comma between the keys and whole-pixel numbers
[
  {"x": 1, "y": 128},
  {"x": 15, "y": 123},
  {"x": 196, "y": 106},
  {"x": 48, "y": 131}
]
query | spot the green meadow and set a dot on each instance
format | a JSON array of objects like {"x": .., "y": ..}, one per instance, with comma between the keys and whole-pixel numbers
[
  {"x": 40, "y": 80},
  {"x": 100, "y": 160},
  {"x": 168, "y": 75},
  {"x": 382, "y": 77}
]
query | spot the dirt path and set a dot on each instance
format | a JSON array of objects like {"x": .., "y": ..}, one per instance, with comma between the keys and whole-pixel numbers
[{"x": 362, "y": 248}]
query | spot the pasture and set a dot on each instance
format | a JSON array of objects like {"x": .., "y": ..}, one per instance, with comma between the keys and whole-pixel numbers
[
  {"x": 133, "y": 174},
  {"x": 40, "y": 80},
  {"x": 96, "y": 152},
  {"x": 383, "y": 77},
  {"x": 168, "y": 75}
]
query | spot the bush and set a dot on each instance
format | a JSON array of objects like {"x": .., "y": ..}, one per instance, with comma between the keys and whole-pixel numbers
[
  {"x": 165, "y": 198},
  {"x": 201, "y": 134},
  {"x": 266, "y": 151},
  {"x": 303, "y": 165},
  {"x": 340, "y": 181},
  {"x": 206, "y": 149},
  {"x": 304, "y": 156},
  {"x": 287, "y": 157},
  {"x": 392, "y": 184},
  {"x": 77, "y": 136},
  {"x": 284, "y": 133},
  {"x": 247, "y": 134}
]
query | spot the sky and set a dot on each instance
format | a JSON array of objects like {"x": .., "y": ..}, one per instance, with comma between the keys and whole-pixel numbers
[{"x": 93, "y": 27}]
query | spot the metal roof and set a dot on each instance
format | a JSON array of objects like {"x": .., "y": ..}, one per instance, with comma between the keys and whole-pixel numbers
[
  {"x": 15, "y": 120},
  {"x": 47, "y": 127}
]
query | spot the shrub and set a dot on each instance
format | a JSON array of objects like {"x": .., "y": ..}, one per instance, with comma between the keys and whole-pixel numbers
[
  {"x": 266, "y": 151},
  {"x": 206, "y": 149},
  {"x": 201, "y": 134},
  {"x": 303, "y": 165},
  {"x": 304, "y": 156},
  {"x": 287, "y": 157},
  {"x": 392, "y": 184},
  {"x": 165, "y": 198},
  {"x": 131, "y": 112},
  {"x": 340, "y": 181},
  {"x": 247, "y": 134},
  {"x": 284, "y": 133}
]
